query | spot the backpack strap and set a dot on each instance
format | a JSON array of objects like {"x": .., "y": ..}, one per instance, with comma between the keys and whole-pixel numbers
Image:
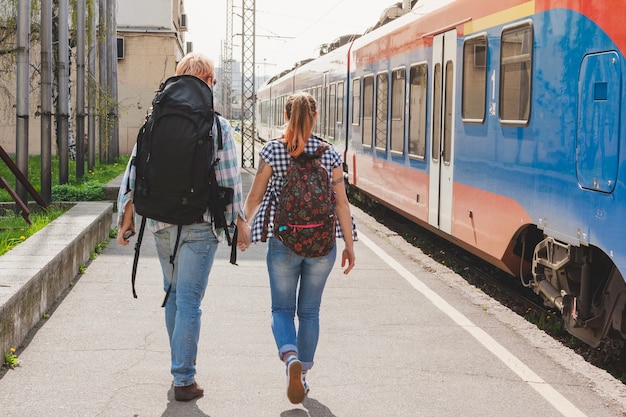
[
  {"x": 134, "y": 163},
  {"x": 233, "y": 248},
  {"x": 136, "y": 259},
  {"x": 220, "y": 140},
  {"x": 172, "y": 258}
]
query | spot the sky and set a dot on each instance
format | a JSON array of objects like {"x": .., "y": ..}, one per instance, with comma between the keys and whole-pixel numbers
[{"x": 286, "y": 31}]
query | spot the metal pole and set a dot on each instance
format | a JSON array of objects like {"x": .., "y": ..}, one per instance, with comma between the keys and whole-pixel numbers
[
  {"x": 102, "y": 81},
  {"x": 46, "y": 100},
  {"x": 63, "y": 104},
  {"x": 248, "y": 91},
  {"x": 80, "y": 88},
  {"x": 92, "y": 93},
  {"x": 112, "y": 81},
  {"x": 227, "y": 71},
  {"x": 22, "y": 99}
]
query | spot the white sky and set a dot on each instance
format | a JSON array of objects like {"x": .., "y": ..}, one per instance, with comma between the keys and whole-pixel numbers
[{"x": 302, "y": 24}]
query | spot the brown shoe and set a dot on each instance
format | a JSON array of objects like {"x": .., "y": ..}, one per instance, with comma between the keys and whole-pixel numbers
[
  {"x": 295, "y": 388},
  {"x": 188, "y": 392}
]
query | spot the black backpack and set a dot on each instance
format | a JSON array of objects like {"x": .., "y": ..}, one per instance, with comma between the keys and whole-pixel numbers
[
  {"x": 175, "y": 152},
  {"x": 175, "y": 163}
]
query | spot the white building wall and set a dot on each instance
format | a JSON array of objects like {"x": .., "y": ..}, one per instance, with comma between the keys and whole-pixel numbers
[{"x": 144, "y": 13}]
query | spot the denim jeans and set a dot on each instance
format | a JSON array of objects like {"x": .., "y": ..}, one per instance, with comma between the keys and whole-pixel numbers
[
  {"x": 194, "y": 259},
  {"x": 286, "y": 271}
]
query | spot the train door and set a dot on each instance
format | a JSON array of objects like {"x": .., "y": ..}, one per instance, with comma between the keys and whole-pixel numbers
[
  {"x": 598, "y": 122},
  {"x": 442, "y": 125}
]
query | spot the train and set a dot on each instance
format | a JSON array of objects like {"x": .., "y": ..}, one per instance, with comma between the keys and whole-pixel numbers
[{"x": 496, "y": 125}]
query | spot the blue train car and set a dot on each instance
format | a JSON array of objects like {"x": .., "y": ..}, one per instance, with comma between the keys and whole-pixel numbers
[{"x": 498, "y": 126}]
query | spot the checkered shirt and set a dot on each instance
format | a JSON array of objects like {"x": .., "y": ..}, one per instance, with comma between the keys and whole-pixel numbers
[{"x": 275, "y": 154}]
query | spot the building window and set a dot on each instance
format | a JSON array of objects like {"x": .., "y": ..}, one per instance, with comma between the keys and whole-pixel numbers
[{"x": 120, "y": 48}]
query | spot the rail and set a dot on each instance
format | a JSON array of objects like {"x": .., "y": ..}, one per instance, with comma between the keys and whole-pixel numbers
[{"x": 24, "y": 210}]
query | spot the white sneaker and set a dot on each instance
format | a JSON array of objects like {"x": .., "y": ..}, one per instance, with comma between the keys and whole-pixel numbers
[{"x": 305, "y": 384}]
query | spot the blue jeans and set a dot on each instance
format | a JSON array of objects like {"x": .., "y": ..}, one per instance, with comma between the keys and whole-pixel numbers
[
  {"x": 194, "y": 259},
  {"x": 286, "y": 271}
]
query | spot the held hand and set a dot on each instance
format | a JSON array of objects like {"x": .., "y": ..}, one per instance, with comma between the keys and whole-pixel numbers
[
  {"x": 243, "y": 235},
  {"x": 347, "y": 256}
]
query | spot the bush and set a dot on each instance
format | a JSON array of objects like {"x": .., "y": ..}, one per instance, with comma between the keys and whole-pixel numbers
[{"x": 82, "y": 192}]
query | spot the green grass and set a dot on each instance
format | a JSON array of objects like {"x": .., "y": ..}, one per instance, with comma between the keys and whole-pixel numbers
[
  {"x": 89, "y": 188},
  {"x": 14, "y": 229}
]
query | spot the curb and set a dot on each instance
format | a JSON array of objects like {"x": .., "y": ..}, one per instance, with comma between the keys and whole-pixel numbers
[{"x": 38, "y": 271}]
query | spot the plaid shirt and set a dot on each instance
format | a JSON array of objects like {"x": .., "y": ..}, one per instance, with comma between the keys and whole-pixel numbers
[
  {"x": 226, "y": 172},
  {"x": 275, "y": 155}
]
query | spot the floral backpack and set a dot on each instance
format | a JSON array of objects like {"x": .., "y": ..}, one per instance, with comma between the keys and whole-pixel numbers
[{"x": 305, "y": 212}]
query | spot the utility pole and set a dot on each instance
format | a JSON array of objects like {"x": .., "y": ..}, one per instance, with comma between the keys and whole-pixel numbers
[
  {"x": 227, "y": 66},
  {"x": 248, "y": 91}
]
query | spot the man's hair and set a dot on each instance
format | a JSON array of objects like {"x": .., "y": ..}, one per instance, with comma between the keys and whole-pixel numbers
[{"x": 196, "y": 64}]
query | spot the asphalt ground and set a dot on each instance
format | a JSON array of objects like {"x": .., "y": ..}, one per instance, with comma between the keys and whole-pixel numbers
[{"x": 401, "y": 335}]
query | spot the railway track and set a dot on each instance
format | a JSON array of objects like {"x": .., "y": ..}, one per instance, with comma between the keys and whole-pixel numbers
[{"x": 497, "y": 284}]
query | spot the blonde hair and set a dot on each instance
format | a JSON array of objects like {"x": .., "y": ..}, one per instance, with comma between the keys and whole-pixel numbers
[
  {"x": 301, "y": 109},
  {"x": 198, "y": 65}
]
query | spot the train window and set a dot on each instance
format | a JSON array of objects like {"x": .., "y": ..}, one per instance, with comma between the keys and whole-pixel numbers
[
  {"x": 417, "y": 111},
  {"x": 320, "y": 109},
  {"x": 332, "y": 110},
  {"x": 356, "y": 102},
  {"x": 340, "y": 102},
  {"x": 368, "y": 109},
  {"x": 448, "y": 116},
  {"x": 279, "y": 111},
  {"x": 382, "y": 93},
  {"x": 274, "y": 105},
  {"x": 398, "y": 89},
  {"x": 324, "y": 113},
  {"x": 437, "y": 89},
  {"x": 474, "y": 95},
  {"x": 516, "y": 73},
  {"x": 280, "y": 115}
]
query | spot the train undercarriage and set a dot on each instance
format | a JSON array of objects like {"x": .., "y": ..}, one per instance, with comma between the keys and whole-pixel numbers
[{"x": 584, "y": 285}]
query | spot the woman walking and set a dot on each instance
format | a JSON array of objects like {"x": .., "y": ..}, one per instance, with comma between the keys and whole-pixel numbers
[{"x": 296, "y": 282}]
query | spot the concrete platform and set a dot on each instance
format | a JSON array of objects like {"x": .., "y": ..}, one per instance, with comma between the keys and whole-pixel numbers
[{"x": 400, "y": 336}]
